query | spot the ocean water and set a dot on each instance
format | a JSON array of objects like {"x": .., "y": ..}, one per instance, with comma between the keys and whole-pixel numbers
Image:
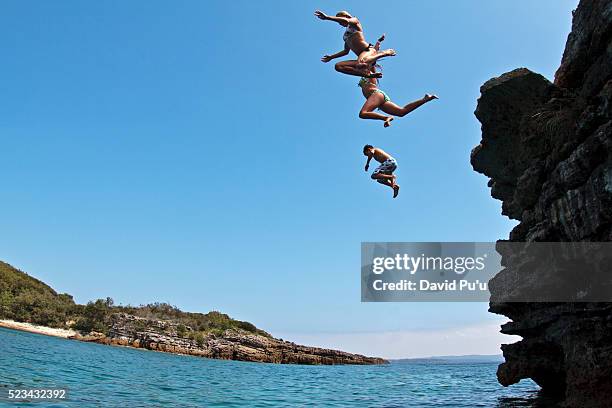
[{"x": 105, "y": 376}]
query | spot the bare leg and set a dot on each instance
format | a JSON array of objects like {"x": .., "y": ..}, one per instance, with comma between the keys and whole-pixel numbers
[
  {"x": 387, "y": 180},
  {"x": 393, "y": 109},
  {"x": 355, "y": 68},
  {"x": 375, "y": 100},
  {"x": 371, "y": 56}
]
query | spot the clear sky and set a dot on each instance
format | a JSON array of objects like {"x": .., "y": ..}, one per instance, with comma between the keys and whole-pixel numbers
[{"x": 199, "y": 153}]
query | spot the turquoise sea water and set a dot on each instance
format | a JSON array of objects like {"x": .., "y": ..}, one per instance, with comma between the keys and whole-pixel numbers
[{"x": 97, "y": 375}]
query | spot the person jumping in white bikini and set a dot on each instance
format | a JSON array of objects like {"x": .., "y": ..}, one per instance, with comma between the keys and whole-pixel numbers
[{"x": 354, "y": 40}]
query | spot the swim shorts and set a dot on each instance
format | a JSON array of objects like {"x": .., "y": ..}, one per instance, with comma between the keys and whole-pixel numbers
[{"x": 386, "y": 167}]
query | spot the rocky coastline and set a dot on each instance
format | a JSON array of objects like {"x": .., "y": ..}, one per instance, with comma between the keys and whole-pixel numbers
[
  {"x": 547, "y": 149},
  {"x": 28, "y": 304},
  {"x": 231, "y": 344}
]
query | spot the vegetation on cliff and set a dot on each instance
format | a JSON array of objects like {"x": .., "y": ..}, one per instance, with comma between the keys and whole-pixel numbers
[{"x": 27, "y": 299}]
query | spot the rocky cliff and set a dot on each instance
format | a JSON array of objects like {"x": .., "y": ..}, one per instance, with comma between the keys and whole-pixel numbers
[
  {"x": 232, "y": 344},
  {"x": 547, "y": 149}
]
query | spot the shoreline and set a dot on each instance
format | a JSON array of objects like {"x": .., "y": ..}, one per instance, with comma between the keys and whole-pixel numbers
[
  {"x": 243, "y": 350},
  {"x": 73, "y": 335},
  {"x": 34, "y": 328}
]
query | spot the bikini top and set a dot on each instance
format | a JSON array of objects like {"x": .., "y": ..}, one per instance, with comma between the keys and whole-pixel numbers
[
  {"x": 365, "y": 82},
  {"x": 350, "y": 30}
]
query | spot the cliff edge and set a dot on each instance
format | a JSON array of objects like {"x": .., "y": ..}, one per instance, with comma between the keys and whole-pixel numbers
[{"x": 547, "y": 149}]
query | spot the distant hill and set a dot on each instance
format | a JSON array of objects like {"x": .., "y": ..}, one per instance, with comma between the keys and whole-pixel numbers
[
  {"x": 27, "y": 299},
  {"x": 467, "y": 359}
]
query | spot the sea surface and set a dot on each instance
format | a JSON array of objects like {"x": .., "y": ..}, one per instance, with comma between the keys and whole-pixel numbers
[{"x": 105, "y": 376}]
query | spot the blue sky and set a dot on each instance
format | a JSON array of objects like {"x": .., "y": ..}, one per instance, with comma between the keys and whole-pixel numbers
[{"x": 199, "y": 153}]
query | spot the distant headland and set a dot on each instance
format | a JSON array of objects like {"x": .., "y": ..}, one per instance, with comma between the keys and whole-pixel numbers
[{"x": 29, "y": 304}]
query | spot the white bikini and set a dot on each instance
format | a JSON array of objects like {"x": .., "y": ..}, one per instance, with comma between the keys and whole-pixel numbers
[{"x": 350, "y": 30}]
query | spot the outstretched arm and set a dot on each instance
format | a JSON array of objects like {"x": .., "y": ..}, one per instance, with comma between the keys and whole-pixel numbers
[
  {"x": 345, "y": 51},
  {"x": 367, "y": 166},
  {"x": 343, "y": 21}
]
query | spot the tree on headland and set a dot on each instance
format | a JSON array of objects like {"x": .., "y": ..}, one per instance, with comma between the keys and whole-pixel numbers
[{"x": 94, "y": 316}]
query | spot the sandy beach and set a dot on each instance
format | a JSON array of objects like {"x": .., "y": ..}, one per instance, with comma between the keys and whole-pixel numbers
[{"x": 49, "y": 331}]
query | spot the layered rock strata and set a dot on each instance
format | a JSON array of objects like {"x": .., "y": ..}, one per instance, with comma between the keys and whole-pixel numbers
[
  {"x": 128, "y": 330},
  {"x": 547, "y": 149}
]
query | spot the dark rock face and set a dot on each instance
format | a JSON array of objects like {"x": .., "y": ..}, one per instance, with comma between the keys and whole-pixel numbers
[
  {"x": 547, "y": 148},
  {"x": 128, "y": 330}
]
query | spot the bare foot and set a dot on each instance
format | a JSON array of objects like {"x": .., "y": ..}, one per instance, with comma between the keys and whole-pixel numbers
[
  {"x": 430, "y": 97},
  {"x": 389, "y": 53},
  {"x": 388, "y": 121},
  {"x": 395, "y": 190}
]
